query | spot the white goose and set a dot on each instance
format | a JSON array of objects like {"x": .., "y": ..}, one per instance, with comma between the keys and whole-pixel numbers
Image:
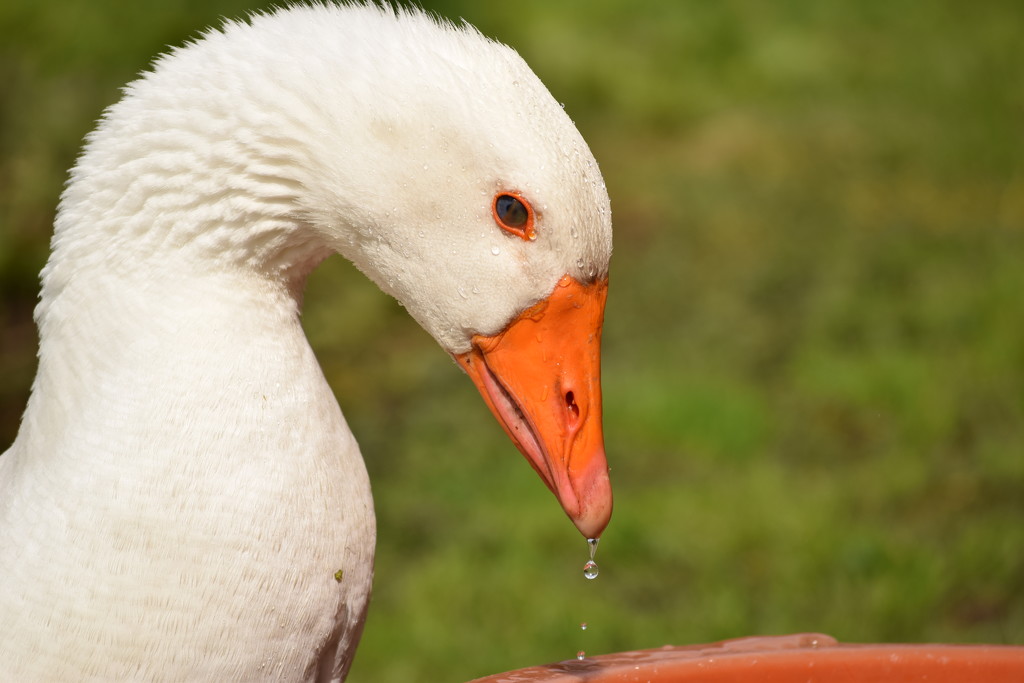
[{"x": 184, "y": 498}]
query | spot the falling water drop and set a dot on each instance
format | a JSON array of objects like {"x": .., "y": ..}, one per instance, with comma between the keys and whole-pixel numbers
[
  {"x": 583, "y": 626},
  {"x": 580, "y": 655},
  {"x": 590, "y": 569}
]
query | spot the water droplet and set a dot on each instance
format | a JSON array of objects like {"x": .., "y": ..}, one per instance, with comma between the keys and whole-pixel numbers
[
  {"x": 495, "y": 251},
  {"x": 574, "y": 233},
  {"x": 462, "y": 292},
  {"x": 590, "y": 569},
  {"x": 581, "y": 655},
  {"x": 583, "y": 626}
]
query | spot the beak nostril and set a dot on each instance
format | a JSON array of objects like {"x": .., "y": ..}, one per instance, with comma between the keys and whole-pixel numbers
[{"x": 570, "y": 405}]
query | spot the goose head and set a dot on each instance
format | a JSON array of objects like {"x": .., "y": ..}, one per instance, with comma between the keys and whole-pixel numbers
[
  {"x": 490, "y": 223},
  {"x": 434, "y": 160}
]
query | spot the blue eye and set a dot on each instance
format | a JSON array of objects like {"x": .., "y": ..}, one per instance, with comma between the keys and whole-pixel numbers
[
  {"x": 514, "y": 214},
  {"x": 510, "y": 211}
]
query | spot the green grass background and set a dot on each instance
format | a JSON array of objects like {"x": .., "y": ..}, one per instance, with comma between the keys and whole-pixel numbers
[{"x": 814, "y": 361}]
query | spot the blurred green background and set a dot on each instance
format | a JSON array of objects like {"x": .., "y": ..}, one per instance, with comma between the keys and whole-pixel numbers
[{"x": 814, "y": 361}]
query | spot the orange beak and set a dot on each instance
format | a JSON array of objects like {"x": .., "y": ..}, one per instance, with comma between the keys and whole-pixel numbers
[{"x": 541, "y": 377}]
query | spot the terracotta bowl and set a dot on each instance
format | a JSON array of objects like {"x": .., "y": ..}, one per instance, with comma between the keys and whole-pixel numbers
[{"x": 806, "y": 657}]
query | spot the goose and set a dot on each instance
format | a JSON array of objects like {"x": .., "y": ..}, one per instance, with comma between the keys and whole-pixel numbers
[{"x": 184, "y": 499}]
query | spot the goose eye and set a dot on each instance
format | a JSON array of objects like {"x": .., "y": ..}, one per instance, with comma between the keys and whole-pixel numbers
[
  {"x": 510, "y": 211},
  {"x": 514, "y": 214}
]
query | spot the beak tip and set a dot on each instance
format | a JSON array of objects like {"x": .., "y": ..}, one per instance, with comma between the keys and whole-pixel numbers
[
  {"x": 594, "y": 505},
  {"x": 592, "y": 526}
]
